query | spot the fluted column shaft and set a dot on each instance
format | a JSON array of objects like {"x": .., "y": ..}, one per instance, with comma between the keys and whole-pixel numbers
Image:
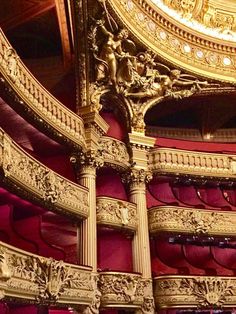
[
  {"x": 141, "y": 245},
  {"x": 88, "y": 230}
]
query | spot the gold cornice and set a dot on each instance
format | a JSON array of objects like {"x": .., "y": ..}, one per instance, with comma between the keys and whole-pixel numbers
[
  {"x": 174, "y": 44},
  {"x": 116, "y": 213},
  {"x": 26, "y": 176},
  {"x": 191, "y": 221},
  {"x": 184, "y": 162},
  {"x": 26, "y": 277},
  {"x": 32, "y": 99},
  {"x": 194, "y": 292}
]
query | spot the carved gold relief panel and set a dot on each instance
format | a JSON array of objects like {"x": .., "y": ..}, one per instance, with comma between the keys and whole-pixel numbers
[
  {"x": 191, "y": 221},
  {"x": 117, "y": 213},
  {"x": 194, "y": 291},
  {"x": 27, "y": 277},
  {"x": 26, "y": 175}
]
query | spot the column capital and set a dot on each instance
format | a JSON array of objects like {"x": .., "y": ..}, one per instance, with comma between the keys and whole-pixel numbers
[
  {"x": 89, "y": 160},
  {"x": 137, "y": 177}
]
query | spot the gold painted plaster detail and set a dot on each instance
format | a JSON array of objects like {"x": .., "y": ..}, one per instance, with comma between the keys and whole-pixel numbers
[
  {"x": 117, "y": 213},
  {"x": 113, "y": 151},
  {"x": 194, "y": 291},
  {"x": 32, "y": 96},
  {"x": 164, "y": 36},
  {"x": 164, "y": 160},
  {"x": 126, "y": 289},
  {"x": 24, "y": 172},
  {"x": 45, "y": 280},
  {"x": 191, "y": 221}
]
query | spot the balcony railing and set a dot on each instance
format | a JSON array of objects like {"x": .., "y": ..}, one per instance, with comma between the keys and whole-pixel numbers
[
  {"x": 113, "y": 152},
  {"x": 183, "y": 162},
  {"x": 192, "y": 221},
  {"x": 37, "y": 100},
  {"x": 31, "y": 179},
  {"x": 194, "y": 292},
  {"x": 119, "y": 289},
  {"x": 30, "y": 278},
  {"x": 116, "y": 213}
]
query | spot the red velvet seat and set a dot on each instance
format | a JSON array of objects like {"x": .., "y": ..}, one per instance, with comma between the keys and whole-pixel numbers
[
  {"x": 200, "y": 256},
  {"x": 173, "y": 256},
  {"x": 226, "y": 257}
]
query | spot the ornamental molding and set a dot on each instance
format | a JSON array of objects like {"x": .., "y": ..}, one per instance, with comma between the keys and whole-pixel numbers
[
  {"x": 34, "y": 100},
  {"x": 178, "y": 44},
  {"x": 184, "y": 162},
  {"x": 113, "y": 152},
  {"x": 194, "y": 291},
  {"x": 191, "y": 221},
  {"x": 116, "y": 213},
  {"x": 125, "y": 289},
  {"x": 136, "y": 178},
  {"x": 26, "y": 176},
  {"x": 27, "y": 277}
]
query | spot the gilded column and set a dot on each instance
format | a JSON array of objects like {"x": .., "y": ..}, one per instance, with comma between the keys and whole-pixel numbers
[
  {"x": 137, "y": 179},
  {"x": 88, "y": 228}
]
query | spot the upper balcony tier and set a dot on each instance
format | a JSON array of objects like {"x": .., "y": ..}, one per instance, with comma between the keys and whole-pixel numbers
[
  {"x": 32, "y": 100},
  {"x": 30, "y": 179}
]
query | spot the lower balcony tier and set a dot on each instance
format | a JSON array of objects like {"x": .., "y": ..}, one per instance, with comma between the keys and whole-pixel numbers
[{"x": 194, "y": 292}]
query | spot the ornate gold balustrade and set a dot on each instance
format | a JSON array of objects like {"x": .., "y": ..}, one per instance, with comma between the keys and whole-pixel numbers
[
  {"x": 116, "y": 213},
  {"x": 113, "y": 152},
  {"x": 191, "y": 221},
  {"x": 37, "y": 279},
  {"x": 194, "y": 291},
  {"x": 123, "y": 290},
  {"x": 36, "y": 100},
  {"x": 31, "y": 179},
  {"x": 183, "y": 162}
]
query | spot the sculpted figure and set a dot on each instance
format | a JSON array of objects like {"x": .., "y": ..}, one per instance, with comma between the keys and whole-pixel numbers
[
  {"x": 12, "y": 61},
  {"x": 94, "y": 307},
  {"x": 110, "y": 52}
]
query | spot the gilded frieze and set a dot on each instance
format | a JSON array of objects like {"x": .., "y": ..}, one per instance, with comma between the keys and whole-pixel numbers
[
  {"x": 22, "y": 172},
  {"x": 32, "y": 96},
  {"x": 116, "y": 213},
  {"x": 113, "y": 152},
  {"x": 191, "y": 221},
  {"x": 194, "y": 291},
  {"x": 163, "y": 160},
  {"x": 125, "y": 289},
  {"x": 27, "y": 277}
]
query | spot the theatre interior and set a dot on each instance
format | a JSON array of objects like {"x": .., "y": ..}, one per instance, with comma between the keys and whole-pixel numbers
[{"x": 117, "y": 156}]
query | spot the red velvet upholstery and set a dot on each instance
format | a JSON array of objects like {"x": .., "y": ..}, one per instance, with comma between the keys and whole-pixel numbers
[
  {"x": 109, "y": 184},
  {"x": 116, "y": 129},
  {"x": 33, "y": 233},
  {"x": 213, "y": 197},
  {"x": 114, "y": 251}
]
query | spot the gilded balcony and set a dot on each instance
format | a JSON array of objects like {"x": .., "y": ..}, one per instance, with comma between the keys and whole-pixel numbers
[
  {"x": 194, "y": 292},
  {"x": 27, "y": 177},
  {"x": 30, "y": 278},
  {"x": 191, "y": 221},
  {"x": 116, "y": 213},
  {"x": 119, "y": 289},
  {"x": 36, "y": 101},
  {"x": 183, "y": 162},
  {"x": 113, "y": 152}
]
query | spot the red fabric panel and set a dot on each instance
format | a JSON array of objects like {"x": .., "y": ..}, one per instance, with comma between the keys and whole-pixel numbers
[
  {"x": 196, "y": 146},
  {"x": 225, "y": 257},
  {"x": 60, "y": 164},
  {"x": 109, "y": 184},
  {"x": 116, "y": 129},
  {"x": 213, "y": 197},
  {"x": 28, "y": 309},
  {"x": 114, "y": 251},
  {"x": 162, "y": 192}
]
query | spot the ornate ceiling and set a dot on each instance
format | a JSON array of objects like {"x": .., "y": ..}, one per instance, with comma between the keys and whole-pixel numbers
[{"x": 196, "y": 35}]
